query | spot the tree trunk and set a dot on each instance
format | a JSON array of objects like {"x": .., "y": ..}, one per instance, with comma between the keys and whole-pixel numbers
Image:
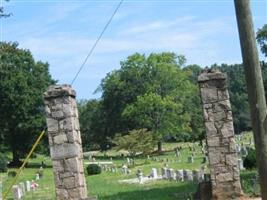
[
  {"x": 15, "y": 157},
  {"x": 255, "y": 87},
  {"x": 159, "y": 146}
]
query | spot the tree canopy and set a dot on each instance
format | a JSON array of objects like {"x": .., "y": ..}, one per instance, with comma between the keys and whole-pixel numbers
[{"x": 22, "y": 83}]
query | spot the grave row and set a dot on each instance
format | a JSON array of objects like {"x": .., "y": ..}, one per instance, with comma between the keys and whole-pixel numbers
[{"x": 20, "y": 189}]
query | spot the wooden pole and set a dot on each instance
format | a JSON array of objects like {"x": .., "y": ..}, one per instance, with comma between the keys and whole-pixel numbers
[{"x": 255, "y": 87}]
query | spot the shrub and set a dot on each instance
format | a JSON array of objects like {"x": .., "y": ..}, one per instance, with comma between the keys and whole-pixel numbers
[
  {"x": 3, "y": 163},
  {"x": 93, "y": 169},
  {"x": 250, "y": 160},
  {"x": 12, "y": 173}
]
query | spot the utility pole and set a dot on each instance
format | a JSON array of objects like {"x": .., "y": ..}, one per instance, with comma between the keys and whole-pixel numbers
[{"x": 255, "y": 87}]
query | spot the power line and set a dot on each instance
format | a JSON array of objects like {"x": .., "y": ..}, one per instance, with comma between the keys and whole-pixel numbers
[{"x": 96, "y": 42}]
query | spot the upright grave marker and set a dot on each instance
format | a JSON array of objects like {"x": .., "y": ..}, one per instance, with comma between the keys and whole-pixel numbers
[
  {"x": 220, "y": 135},
  {"x": 65, "y": 142}
]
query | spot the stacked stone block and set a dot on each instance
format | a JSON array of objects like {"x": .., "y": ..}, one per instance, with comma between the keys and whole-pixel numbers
[
  {"x": 220, "y": 135},
  {"x": 65, "y": 142}
]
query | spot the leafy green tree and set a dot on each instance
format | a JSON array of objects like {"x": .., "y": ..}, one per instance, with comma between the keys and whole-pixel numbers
[
  {"x": 91, "y": 124},
  {"x": 136, "y": 141},
  {"x": 193, "y": 104},
  {"x": 262, "y": 39},
  {"x": 162, "y": 115},
  {"x": 22, "y": 83},
  {"x": 158, "y": 74}
]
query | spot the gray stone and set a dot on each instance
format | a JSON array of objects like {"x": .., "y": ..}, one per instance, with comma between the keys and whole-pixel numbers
[
  {"x": 65, "y": 142},
  {"x": 179, "y": 175},
  {"x": 17, "y": 193},
  {"x": 220, "y": 134},
  {"x": 164, "y": 172}
]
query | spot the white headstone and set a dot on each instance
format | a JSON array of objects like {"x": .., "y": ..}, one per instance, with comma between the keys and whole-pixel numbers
[
  {"x": 172, "y": 174},
  {"x": 124, "y": 169},
  {"x": 154, "y": 173},
  {"x": 240, "y": 164},
  {"x": 28, "y": 186},
  {"x": 22, "y": 187},
  {"x": 17, "y": 194},
  {"x": 128, "y": 160},
  {"x": 37, "y": 176}
]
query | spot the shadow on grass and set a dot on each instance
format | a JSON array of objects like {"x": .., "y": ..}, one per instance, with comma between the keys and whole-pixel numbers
[{"x": 179, "y": 192}]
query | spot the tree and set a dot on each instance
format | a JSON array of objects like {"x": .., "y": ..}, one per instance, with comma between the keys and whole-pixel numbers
[
  {"x": 158, "y": 74},
  {"x": 91, "y": 123},
  {"x": 22, "y": 84},
  {"x": 136, "y": 141},
  {"x": 193, "y": 104},
  {"x": 2, "y": 13},
  {"x": 162, "y": 115},
  {"x": 262, "y": 39}
]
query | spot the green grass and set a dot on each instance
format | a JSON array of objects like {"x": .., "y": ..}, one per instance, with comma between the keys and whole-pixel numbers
[{"x": 106, "y": 185}]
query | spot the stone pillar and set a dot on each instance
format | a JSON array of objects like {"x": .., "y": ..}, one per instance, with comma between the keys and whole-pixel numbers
[
  {"x": 220, "y": 135},
  {"x": 65, "y": 142}
]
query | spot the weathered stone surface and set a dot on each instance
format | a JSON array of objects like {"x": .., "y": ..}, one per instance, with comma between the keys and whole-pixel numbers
[
  {"x": 231, "y": 159},
  {"x": 59, "y": 139},
  {"x": 209, "y": 95},
  {"x": 218, "y": 118},
  {"x": 65, "y": 142},
  {"x": 210, "y": 128},
  {"x": 52, "y": 125},
  {"x": 227, "y": 129},
  {"x": 213, "y": 141},
  {"x": 65, "y": 150},
  {"x": 59, "y": 91}
]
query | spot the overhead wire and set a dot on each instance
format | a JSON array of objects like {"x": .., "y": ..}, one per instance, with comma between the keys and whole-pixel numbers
[{"x": 96, "y": 42}]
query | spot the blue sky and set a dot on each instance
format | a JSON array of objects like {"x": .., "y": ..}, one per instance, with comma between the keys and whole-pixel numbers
[{"x": 62, "y": 32}]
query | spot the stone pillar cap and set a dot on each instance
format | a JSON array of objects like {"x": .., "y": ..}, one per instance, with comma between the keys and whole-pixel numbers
[
  {"x": 211, "y": 74},
  {"x": 59, "y": 91}
]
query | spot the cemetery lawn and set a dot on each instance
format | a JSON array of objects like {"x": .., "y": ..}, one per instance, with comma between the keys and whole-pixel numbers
[{"x": 106, "y": 185}]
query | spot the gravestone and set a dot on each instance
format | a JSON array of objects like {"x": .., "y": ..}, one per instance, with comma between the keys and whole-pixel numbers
[
  {"x": 170, "y": 174},
  {"x": 22, "y": 188},
  {"x": 190, "y": 159},
  {"x": 128, "y": 160},
  {"x": 220, "y": 135},
  {"x": 139, "y": 175},
  {"x": 124, "y": 169},
  {"x": 179, "y": 175},
  {"x": 28, "y": 186},
  {"x": 189, "y": 174},
  {"x": 164, "y": 172},
  {"x": 240, "y": 164},
  {"x": 154, "y": 173},
  {"x": 37, "y": 176},
  {"x": 65, "y": 142},
  {"x": 17, "y": 194},
  {"x": 244, "y": 151},
  {"x": 197, "y": 176}
]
